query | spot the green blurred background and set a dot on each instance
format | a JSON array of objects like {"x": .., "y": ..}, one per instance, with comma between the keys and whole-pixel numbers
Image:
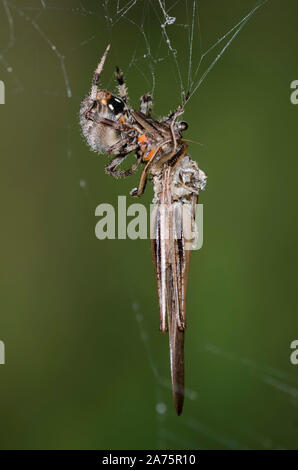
[{"x": 85, "y": 364}]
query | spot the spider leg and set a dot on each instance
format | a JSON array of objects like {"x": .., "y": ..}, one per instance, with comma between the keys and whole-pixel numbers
[
  {"x": 107, "y": 122},
  {"x": 121, "y": 147},
  {"x": 171, "y": 159},
  {"x": 139, "y": 191},
  {"x": 111, "y": 167},
  {"x": 175, "y": 157},
  {"x": 121, "y": 85},
  {"x": 146, "y": 104},
  {"x": 172, "y": 119},
  {"x": 97, "y": 73}
]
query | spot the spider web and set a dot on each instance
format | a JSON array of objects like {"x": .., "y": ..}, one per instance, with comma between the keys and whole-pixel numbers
[
  {"x": 159, "y": 35},
  {"x": 178, "y": 31},
  {"x": 208, "y": 434},
  {"x": 164, "y": 47}
]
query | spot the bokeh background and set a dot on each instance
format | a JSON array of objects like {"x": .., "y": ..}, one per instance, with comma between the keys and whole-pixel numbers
[{"x": 86, "y": 367}]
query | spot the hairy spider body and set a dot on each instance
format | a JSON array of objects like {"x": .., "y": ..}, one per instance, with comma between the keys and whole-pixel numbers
[{"x": 110, "y": 126}]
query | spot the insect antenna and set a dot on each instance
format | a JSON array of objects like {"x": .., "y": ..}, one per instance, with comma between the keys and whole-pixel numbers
[{"x": 192, "y": 141}]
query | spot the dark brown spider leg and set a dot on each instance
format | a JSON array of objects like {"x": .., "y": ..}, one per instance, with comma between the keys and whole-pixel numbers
[
  {"x": 176, "y": 157},
  {"x": 171, "y": 159},
  {"x": 121, "y": 147},
  {"x": 172, "y": 119},
  {"x": 121, "y": 85},
  {"x": 175, "y": 114},
  {"x": 139, "y": 191},
  {"x": 146, "y": 104},
  {"x": 111, "y": 167},
  {"x": 97, "y": 73},
  {"x": 108, "y": 122},
  {"x": 141, "y": 120},
  {"x": 173, "y": 136}
]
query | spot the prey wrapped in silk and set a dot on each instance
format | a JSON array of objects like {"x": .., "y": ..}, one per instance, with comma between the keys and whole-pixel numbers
[{"x": 173, "y": 236}]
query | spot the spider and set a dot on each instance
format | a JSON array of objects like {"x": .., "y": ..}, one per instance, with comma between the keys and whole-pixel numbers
[{"x": 111, "y": 126}]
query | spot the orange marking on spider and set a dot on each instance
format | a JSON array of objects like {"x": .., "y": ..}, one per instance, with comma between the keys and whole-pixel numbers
[
  {"x": 142, "y": 139},
  {"x": 149, "y": 155}
]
